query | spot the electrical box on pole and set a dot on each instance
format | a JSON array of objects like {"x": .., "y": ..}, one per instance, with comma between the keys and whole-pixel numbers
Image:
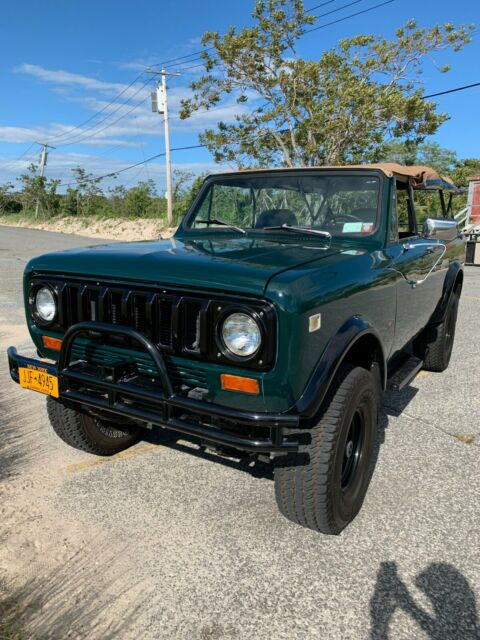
[
  {"x": 159, "y": 100},
  {"x": 43, "y": 160}
]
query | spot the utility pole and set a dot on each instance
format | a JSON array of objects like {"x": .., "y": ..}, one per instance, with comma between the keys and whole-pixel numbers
[
  {"x": 43, "y": 163},
  {"x": 160, "y": 105}
]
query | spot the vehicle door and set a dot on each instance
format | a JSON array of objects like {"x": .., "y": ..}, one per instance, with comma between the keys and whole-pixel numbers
[{"x": 412, "y": 261}]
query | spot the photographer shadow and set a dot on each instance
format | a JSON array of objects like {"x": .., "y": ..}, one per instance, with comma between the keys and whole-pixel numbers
[{"x": 452, "y": 600}]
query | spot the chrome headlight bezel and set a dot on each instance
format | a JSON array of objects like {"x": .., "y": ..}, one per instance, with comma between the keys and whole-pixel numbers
[{"x": 39, "y": 318}]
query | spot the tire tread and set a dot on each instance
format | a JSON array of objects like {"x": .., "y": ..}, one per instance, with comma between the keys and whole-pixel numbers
[
  {"x": 303, "y": 491},
  {"x": 70, "y": 426}
]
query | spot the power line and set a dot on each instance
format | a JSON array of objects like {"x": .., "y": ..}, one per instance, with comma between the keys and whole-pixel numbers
[
  {"x": 318, "y": 6},
  {"x": 352, "y": 15},
  {"x": 190, "y": 55},
  {"x": 345, "y": 6},
  {"x": 137, "y": 164},
  {"x": 443, "y": 93},
  {"x": 80, "y": 137},
  {"x": 195, "y": 55},
  {"x": 322, "y": 26},
  {"x": 254, "y": 138},
  {"x": 78, "y": 126},
  {"x": 11, "y": 163}
]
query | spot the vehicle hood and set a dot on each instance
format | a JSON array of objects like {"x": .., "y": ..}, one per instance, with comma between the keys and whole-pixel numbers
[{"x": 234, "y": 264}]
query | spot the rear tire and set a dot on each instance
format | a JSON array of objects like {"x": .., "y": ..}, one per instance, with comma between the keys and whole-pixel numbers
[
  {"x": 437, "y": 342},
  {"x": 323, "y": 485},
  {"x": 88, "y": 433}
]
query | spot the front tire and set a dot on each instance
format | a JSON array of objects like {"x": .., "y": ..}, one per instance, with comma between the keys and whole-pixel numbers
[
  {"x": 88, "y": 433},
  {"x": 323, "y": 485}
]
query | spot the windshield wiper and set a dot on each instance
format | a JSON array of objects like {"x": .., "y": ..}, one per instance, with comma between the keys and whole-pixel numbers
[
  {"x": 287, "y": 227},
  {"x": 221, "y": 223}
]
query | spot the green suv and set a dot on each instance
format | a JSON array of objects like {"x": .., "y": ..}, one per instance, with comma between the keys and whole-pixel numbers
[{"x": 268, "y": 325}]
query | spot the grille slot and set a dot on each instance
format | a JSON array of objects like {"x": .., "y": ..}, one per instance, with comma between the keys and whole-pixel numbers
[
  {"x": 165, "y": 337},
  {"x": 191, "y": 325}
]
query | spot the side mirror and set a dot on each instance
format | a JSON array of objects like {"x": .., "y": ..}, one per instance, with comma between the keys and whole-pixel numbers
[{"x": 440, "y": 229}]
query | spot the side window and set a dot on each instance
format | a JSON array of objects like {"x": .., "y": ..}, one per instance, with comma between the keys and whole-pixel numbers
[
  {"x": 407, "y": 226},
  {"x": 428, "y": 204}
]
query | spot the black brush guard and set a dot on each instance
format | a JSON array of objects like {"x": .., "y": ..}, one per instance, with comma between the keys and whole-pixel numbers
[{"x": 120, "y": 390}]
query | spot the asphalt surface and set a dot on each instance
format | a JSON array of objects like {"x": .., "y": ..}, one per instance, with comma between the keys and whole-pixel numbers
[{"x": 165, "y": 541}]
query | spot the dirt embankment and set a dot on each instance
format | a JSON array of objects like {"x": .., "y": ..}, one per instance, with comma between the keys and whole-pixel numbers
[{"x": 111, "y": 228}]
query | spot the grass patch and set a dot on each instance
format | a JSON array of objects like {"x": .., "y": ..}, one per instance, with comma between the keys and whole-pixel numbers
[
  {"x": 462, "y": 437},
  {"x": 29, "y": 216},
  {"x": 20, "y": 218}
]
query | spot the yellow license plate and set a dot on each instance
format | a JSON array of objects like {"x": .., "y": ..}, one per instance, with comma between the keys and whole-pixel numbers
[{"x": 38, "y": 380}]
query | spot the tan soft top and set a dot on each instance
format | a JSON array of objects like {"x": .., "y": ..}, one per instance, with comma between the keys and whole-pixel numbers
[{"x": 419, "y": 176}]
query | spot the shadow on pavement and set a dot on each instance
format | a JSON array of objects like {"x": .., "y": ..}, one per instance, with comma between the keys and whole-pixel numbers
[
  {"x": 19, "y": 428},
  {"x": 192, "y": 446},
  {"x": 233, "y": 459},
  {"x": 452, "y": 600},
  {"x": 75, "y": 598}
]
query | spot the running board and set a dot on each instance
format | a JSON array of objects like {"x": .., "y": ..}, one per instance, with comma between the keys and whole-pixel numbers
[{"x": 405, "y": 374}]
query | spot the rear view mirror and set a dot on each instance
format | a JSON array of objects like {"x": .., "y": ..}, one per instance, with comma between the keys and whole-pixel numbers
[{"x": 440, "y": 229}]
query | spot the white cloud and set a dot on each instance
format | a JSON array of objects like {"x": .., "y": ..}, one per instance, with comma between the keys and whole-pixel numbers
[
  {"x": 128, "y": 123},
  {"x": 66, "y": 78},
  {"x": 25, "y": 135}
]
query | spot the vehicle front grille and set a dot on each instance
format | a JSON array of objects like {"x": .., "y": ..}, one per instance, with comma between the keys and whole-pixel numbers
[
  {"x": 181, "y": 325},
  {"x": 170, "y": 321}
]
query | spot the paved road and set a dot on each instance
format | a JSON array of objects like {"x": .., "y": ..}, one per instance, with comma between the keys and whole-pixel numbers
[{"x": 164, "y": 541}]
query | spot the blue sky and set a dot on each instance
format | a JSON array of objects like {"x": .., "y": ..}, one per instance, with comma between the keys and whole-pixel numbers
[{"x": 64, "y": 60}]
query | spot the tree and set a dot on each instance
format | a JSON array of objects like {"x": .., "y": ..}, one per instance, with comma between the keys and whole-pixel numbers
[
  {"x": 37, "y": 188},
  {"x": 8, "y": 202},
  {"x": 429, "y": 154},
  {"x": 88, "y": 195},
  {"x": 141, "y": 201},
  {"x": 465, "y": 169},
  {"x": 339, "y": 108}
]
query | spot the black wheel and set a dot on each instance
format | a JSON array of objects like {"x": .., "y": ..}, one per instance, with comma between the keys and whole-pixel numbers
[
  {"x": 323, "y": 485},
  {"x": 90, "y": 434},
  {"x": 437, "y": 342}
]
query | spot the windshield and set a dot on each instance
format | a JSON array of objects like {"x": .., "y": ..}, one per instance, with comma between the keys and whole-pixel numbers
[{"x": 340, "y": 205}]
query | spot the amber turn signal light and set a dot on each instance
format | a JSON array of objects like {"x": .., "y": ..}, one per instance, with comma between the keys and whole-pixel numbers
[
  {"x": 52, "y": 343},
  {"x": 239, "y": 383}
]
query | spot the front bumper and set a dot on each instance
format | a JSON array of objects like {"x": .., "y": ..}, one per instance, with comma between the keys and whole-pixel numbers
[{"x": 120, "y": 390}]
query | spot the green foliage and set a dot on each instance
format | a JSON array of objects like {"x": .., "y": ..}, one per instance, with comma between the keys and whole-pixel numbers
[
  {"x": 141, "y": 201},
  {"x": 465, "y": 169},
  {"x": 185, "y": 189},
  {"x": 8, "y": 202},
  {"x": 85, "y": 197},
  {"x": 337, "y": 109},
  {"x": 36, "y": 188},
  {"x": 429, "y": 154}
]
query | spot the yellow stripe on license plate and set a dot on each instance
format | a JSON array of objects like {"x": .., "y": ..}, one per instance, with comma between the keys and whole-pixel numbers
[{"x": 38, "y": 380}]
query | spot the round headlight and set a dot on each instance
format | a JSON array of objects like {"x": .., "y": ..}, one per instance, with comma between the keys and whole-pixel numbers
[
  {"x": 45, "y": 304},
  {"x": 241, "y": 335}
]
